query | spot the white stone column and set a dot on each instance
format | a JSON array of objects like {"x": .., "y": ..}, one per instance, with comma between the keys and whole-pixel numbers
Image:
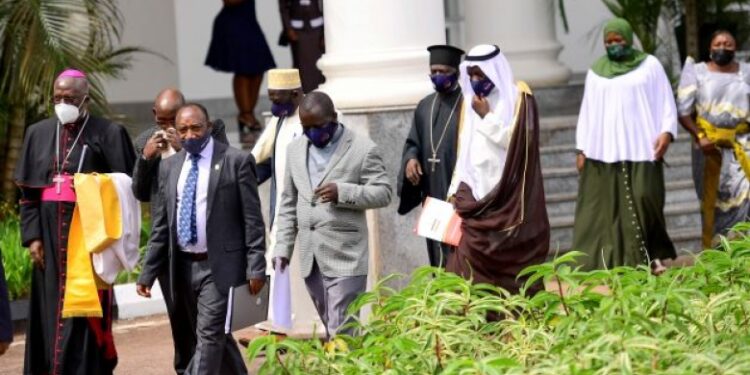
[
  {"x": 525, "y": 32},
  {"x": 376, "y": 51}
]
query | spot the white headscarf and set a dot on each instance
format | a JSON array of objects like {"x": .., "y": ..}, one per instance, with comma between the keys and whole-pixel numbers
[{"x": 481, "y": 160}]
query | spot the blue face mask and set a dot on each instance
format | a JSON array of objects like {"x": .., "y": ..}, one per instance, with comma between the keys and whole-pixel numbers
[
  {"x": 482, "y": 87},
  {"x": 320, "y": 137},
  {"x": 194, "y": 146},
  {"x": 282, "y": 109},
  {"x": 444, "y": 82}
]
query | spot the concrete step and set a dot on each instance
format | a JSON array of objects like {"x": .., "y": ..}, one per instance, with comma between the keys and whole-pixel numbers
[
  {"x": 563, "y": 155},
  {"x": 679, "y": 216},
  {"x": 686, "y": 241},
  {"x": 557, "y": 130},
  {"x": 564, "y": 203},
  {"x": 561, "y": 130},
  {"x": 565, "y": 179}
]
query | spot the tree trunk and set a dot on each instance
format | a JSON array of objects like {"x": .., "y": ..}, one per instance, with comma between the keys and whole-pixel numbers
[
  {"x": 692, "y": 29},
  {"x": 17, "y": 125}
]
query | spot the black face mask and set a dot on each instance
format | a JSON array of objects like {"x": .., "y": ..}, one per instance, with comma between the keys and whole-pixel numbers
[{"x": 722, "y": 56}]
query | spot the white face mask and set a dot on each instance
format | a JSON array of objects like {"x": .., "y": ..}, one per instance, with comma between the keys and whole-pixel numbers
[{"x": 67, "y": 113}]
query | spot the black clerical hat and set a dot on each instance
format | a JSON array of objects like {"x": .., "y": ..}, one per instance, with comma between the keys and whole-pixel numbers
[{"x": 445, "y": 55}]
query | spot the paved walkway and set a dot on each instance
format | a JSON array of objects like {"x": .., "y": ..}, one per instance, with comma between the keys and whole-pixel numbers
[{"x": 144, "y": 347}]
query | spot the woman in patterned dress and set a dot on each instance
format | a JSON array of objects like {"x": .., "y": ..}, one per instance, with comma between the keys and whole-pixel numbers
[{"x": 713, "y": 105}]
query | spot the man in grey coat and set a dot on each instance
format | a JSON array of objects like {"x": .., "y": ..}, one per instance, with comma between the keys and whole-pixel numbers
[{"x": 332, "y": 176}]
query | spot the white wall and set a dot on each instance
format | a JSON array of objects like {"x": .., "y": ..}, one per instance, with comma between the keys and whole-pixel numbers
[
  {"x": 148, "y": 24},
  {"x": 194, "y": 24},
  {"x": 583, "y": 42},
  {"x": 181, "y": 30}
]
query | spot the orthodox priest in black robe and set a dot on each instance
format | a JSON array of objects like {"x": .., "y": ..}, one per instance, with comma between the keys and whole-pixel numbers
[
  {"x": 431, "y": 148},
  {"x": 54, "y": 149}
]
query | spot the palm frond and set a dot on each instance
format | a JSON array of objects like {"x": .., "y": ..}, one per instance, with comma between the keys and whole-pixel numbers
[
  {"x": 643, "y": 16},
  {"x": 39, "y": 38}
]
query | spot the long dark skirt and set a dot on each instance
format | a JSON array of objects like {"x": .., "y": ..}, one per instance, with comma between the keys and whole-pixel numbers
[{"x": 619, "y": 218}]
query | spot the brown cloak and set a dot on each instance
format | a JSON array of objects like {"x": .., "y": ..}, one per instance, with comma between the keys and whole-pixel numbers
[{"x": 507, "y": 230}]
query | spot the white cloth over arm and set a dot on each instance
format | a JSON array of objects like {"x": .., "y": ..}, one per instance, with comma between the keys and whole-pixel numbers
[
  {"x": 622, "y": 117},
  {"x": 123, "y": 254}
]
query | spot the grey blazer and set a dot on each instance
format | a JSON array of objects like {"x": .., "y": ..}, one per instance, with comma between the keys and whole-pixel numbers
[{"x": 333, "y": 234}]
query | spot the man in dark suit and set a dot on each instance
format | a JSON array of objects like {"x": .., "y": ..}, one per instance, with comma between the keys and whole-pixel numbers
[
  {"x": 161, "y": 141},
  {"x": 6, "y": 324},
  {"x": 210, "y": 233}
]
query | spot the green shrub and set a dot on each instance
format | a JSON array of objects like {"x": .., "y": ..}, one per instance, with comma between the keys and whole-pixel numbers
[
  {"x": 17, "y": 262},
  {"x": 16, "y": 259},
  {"x": 692, "y": 320}
]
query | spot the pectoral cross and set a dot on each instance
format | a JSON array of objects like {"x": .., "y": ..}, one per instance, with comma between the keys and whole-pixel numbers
[
  {"x": 433, "y": 160},
  {"x": 58, "y": 180}
]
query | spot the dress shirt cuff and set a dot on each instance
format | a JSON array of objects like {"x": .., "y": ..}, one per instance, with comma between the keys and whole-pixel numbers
[
  {"x": 283, "y": 251},
  {"x": 346, "y": 195}
]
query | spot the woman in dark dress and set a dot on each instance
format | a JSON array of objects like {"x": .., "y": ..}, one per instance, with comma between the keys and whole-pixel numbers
[{"x": 238, "y": 46}]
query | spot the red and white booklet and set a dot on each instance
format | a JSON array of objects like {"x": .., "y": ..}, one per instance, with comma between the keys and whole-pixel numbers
[{"x": 439, "y": 221}]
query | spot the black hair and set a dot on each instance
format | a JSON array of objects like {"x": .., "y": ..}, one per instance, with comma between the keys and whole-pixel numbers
[
  {"x": 199, "y": 106},
  {"x": 722, "y": 32},
  {"x": 318, "y": 102}
]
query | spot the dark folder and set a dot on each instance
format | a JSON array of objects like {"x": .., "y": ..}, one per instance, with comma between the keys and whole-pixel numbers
[{"x": 245, "y": 309}]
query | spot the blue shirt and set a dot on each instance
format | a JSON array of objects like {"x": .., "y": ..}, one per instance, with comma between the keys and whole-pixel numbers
[{"x": 318, "y": 158}]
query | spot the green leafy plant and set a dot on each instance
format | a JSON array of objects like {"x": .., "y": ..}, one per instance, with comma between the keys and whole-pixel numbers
[
  {"x": 40, "y": 38},
  {"x": 643, "y": 16},
  {"x": 16, "y": 259},
  {"x": 691, "y": 320},
  {"x": 17, "y": 262}
]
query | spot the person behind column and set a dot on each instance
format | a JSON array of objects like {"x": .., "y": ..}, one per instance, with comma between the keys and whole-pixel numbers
[
  {"x": 54, "y": 149},
  {"x": 626, "y": 123},
  {"x": 6, "y": 322},
  {"x": 285, "y": 92},
  {"x": 332, "y": 176},
  {"x": 431, "y": 148},
  {"x": 212, "y": 235},
  {"x": 152, "y": 145},
  {"x": 713, "y": 104},
  {"x": 302, "y": 21},
  {"x": 238, "y": 46},
  {"x": 497, "y": 189}
]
